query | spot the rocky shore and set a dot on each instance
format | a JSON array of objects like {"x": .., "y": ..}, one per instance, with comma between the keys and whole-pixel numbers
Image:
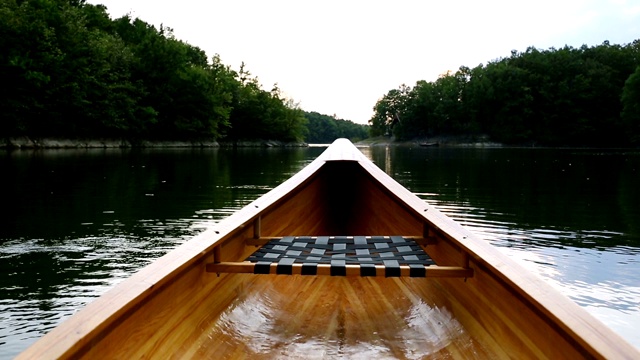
[
  {"x": 261, "y": 143},
  {"x": 448, "y": 141},
  {"x": 52, "y": 143}
]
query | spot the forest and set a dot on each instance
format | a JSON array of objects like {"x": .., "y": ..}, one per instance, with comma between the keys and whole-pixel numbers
[
  {"x": 69, "y": 70},
  {"x": 587, "y": 96},
  {"x": 323, "y": 129}
]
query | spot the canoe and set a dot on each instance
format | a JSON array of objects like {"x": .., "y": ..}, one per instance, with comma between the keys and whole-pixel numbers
[{"x": 339, "y": 261}]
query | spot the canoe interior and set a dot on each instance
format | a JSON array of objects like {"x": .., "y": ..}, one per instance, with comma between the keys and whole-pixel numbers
[
  {"x": 341, "y": 201},
  {"x": 175, "y": 308}
]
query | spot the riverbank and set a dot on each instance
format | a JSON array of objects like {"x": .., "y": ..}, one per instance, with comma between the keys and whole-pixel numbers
[
  {"x": 262, "y": 143},
  {"x": 452, "y": 141},
  {"x": 53, "y": 143}
]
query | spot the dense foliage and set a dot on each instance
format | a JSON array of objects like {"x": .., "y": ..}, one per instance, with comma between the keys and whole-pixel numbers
[
  {"x": 568, "y": 96},
  {"x": 69, "y": 70},
  {"x": 324, "y": 129}
]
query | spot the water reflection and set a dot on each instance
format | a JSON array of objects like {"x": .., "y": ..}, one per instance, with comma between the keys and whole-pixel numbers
[
  {"x": 81, "y": 221},
  {"x": 568, "y": 216},
  {"x": 602, "y": 279}
]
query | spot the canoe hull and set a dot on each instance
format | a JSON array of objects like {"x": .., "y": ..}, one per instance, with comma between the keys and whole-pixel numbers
[{"x": 174, "y": 306}]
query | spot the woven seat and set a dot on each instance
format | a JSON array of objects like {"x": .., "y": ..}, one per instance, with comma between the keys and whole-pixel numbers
[
  {"x": 392, "y": 252},
  {"x": 389, "y": 256}
]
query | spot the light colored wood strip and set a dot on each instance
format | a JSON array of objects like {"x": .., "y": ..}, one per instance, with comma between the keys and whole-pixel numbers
[
  {"x": 260, "y": 241},
  {"x": 247, "y": 267}
]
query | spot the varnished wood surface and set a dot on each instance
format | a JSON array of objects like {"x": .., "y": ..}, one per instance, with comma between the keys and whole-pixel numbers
[
  {"x": 324, "y": 317},
  {"x": 175, "y": 307},
  {"x": 246, "y": 267}
]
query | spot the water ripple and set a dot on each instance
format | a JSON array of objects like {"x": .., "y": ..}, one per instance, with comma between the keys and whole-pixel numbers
[{"x": 565, "y": 258}]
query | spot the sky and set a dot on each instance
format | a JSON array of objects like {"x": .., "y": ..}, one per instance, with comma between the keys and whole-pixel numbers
[{"x": 340, "y": 57}]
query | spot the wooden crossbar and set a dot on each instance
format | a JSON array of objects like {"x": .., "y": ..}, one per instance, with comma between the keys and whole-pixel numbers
[
  {"x": 349, "y": 270},
  {"x": 259, "y": 241},
  {"x": 388, "y": 256}
]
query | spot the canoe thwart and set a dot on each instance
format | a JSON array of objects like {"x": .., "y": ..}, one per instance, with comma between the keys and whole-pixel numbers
[
  {"x": 260, "y": 241},
  {"x": 389, "y": 256},
  {"x": 248, "y": 267}
]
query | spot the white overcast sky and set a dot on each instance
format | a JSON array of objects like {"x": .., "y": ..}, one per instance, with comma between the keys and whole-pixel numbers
[{"x": 340, "y": 57}]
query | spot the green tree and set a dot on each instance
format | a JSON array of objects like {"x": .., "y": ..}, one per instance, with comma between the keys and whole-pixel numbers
[
  {"x": 260, "y": 114},
  {"x": 29, "y": 52},
  {"x": 324, "y": 129},
  {"x": 350, "y": 130},
  {"x": 389, "y": 110},
  {"x": 183, "y": 96},
  {"x": 631, "y": 106},
  {"x": 567, "y": 96}
]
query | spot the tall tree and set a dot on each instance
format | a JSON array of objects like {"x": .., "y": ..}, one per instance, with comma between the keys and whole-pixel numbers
[
  {"x": 324, "y": 129},
  {"x": 389, "y": 110},
  {"x": 564, "y": 96},
  {"x": 631, "y": 106}
]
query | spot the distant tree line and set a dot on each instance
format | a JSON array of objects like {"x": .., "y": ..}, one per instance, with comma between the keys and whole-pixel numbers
[
  {"x": 568, "y": 96},
  {"x": 69, "y": 70},
  {"x": 324, "y": 129}
]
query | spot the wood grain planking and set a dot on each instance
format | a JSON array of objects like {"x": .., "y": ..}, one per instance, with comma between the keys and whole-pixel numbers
[{"x": 328, "y": 316}]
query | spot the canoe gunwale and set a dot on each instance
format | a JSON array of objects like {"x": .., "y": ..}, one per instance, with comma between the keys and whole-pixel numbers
[{"x": 76, "y": 335}]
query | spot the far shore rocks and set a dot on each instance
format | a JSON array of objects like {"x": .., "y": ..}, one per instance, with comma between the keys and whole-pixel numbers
[
  {"x": 434, "y": 141},
  {"x": 261, "y": 143},
  {"x": 53, "y": 143}
]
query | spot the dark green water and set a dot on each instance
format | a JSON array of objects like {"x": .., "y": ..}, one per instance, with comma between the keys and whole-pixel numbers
[{"x": 79, "y": 221}]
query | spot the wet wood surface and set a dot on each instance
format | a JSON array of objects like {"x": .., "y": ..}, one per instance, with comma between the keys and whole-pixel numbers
[{"x": 331, "y": 317}]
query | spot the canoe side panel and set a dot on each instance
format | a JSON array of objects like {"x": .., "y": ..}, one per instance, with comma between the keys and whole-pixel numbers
[
  {"x": 334, "y": 205},
  {"x": 302, "y": 214},
  {"x": 167, "y": 322}
]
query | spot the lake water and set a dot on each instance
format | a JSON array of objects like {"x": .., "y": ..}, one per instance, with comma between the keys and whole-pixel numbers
[{"x": 77, "y": 222}]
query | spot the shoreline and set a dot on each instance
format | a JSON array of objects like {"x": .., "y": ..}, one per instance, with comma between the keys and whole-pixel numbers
[
  {"x": 435, "y": 141},
  {"x": 466, "y": 141},
  {"x": 26, "y": 143}
]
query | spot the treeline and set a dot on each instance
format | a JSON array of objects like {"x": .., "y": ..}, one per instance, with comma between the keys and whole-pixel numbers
[
  {"x": 324, "y": 129},
  {"x": 568, "y": 96},
  {"x": 69, "y": 70}
]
